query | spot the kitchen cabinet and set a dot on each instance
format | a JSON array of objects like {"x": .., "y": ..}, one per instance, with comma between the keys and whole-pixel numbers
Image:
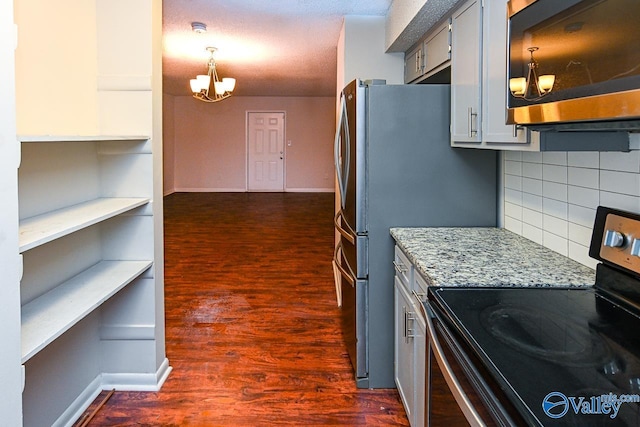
[
  {"x": 430, "y": 55},
  {"x": 478, "y": 80},
  {"x": 466, "y": 43},
  {"x": 494, "y": 78},
  {"x": 410, "y": 339},
  {"x": 437, "y": 48},
  {"x": 413, "y": 64},
  {"x": 404, "y": 354}
]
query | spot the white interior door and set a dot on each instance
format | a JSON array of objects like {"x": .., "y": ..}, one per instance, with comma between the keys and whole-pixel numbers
[{"x": 265, "y": 141}]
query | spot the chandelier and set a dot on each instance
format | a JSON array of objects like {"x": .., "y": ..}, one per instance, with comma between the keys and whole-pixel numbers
[
  {"x": 208, "y": 87},
  {"x": 521, "y": 87}
]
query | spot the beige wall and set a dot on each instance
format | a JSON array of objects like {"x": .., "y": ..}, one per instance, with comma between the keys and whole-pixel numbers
[
  {"x": 209, "y": 151},
  {"x": 168, "y": 133},
  {"x": 56, "y": 68}
]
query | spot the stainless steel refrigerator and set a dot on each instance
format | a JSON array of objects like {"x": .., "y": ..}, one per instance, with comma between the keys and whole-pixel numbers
[{"x": 395, "y": 168}]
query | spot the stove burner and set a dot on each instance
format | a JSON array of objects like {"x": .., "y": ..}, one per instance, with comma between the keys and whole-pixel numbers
[{"x": 546, "y": 335}]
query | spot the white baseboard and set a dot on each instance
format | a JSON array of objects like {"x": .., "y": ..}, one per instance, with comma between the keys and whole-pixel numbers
[
  {"x": 121, "y": 382},
  {"x": 79, "y": 405},
  {"x": 209, "y": 190},
  {"x": 242, "y": 190},
  {"x": 137, "y": 382},
  {"x": 310, "y": 190}
]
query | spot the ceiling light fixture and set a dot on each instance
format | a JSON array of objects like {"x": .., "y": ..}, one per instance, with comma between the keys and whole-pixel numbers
[
  {"x": 209, "y": 87},
  {"x": 520, "y": 87}
]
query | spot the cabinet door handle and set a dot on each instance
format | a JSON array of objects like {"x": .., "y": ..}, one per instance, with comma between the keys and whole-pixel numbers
[
  {"x": 408, "y": 330},
  {"x": 517, "y": 128},
  {"x": 404, "y": 312},
  {"x": 400, "y": 267},
  {"x": 472, "y": 132}
]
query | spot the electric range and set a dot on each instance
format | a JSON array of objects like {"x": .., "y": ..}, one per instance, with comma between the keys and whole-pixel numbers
[{"x": 553, "y": 356}]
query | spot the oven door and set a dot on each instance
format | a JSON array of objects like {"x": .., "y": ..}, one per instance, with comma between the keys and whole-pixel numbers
[{"x": 459, "y": 392}]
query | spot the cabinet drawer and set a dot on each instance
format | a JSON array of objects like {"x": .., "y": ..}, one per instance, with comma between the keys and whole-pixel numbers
[
  {"x": 420, "y": 286},
  {"x": 403, "y": 267}
]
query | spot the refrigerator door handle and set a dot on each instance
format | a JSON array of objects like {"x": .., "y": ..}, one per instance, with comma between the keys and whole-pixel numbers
[
  {"x": 337, "y": 275},
  {"x": 343, "y": 129},
  {"x": 347, "y": 274},
  {"x": 347, "y": 232}
]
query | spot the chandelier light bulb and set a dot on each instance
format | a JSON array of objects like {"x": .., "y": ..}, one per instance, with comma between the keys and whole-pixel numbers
[{"x": 545, "y": 83}]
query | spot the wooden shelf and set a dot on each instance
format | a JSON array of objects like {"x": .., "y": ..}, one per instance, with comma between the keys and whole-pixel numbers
[
  {"x": 50, "y": 315},
  {"x": 80, "y": 138},
  {"x": 41, "y": 229}
]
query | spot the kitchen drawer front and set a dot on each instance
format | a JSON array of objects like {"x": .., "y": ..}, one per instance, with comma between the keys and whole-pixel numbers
[
  {"x": 420, "y": 286},
  {"x": 403, "y": 267}
]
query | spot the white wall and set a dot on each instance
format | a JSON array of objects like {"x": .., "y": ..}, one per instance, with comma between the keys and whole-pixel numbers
[
  {"x": 361, "y": 52},
  {"x": 10, "y": 263},
  {"x": 551, "y": 198}
]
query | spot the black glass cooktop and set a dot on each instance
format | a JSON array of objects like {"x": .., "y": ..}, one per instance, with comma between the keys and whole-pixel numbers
[{"x": 566, "y": 356}]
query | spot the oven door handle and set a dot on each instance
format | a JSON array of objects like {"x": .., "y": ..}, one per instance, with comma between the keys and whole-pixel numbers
[{"x": 461, "y": 397}]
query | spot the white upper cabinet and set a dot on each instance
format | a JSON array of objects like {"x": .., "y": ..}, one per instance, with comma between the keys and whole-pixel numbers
[
  {"x": 494, "y": 78},
  {"x": 413, "y": 64},
  {"x": 429, "y": 56},
  {"x": 466, "y": 93},
  {"x": 437, "y": 48},
  {"x": 478, "y": 79}
]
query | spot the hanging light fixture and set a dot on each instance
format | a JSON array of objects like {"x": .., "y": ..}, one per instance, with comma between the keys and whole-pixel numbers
[
  {"x": 208, "y": 87},
  {"x": 520, "y": 87}
]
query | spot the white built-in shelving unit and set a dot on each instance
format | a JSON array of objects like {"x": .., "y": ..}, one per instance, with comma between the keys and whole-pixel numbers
[
  {"x": 88, "y": 291},
  {"x": 63, "y": 305},
  {"x": 81, "y": 232},
  {"x": 70, "y": 185}
]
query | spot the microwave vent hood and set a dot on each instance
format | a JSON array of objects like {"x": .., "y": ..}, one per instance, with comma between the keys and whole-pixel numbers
[
  {"x": 600, "y": 126},
  {"x": 574, "y": 65}
]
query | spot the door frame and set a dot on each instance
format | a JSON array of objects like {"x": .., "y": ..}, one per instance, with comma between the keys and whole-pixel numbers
[{"x": 284, "y": 147}]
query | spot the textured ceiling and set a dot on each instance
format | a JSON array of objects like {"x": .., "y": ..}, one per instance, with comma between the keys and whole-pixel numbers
[{"x": 271, "y": 47}]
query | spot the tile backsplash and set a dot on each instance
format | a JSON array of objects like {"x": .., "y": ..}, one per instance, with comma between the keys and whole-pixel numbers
[{"x": 551, "y": 197}]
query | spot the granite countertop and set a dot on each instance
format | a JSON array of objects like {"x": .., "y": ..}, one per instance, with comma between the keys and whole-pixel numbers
[{"x": 487, "y": 257}]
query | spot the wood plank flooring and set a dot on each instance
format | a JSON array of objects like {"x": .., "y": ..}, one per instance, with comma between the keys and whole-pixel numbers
[{"x": 252, "y": 326}]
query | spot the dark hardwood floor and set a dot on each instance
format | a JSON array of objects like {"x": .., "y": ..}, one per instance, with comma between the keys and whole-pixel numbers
[{"x": 252, "y": 326}]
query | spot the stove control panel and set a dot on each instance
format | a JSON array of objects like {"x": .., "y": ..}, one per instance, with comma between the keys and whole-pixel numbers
[{"x": 621, "y": 242}]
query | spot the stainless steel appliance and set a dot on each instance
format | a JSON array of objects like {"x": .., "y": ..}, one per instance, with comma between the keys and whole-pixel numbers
[
  {"x": 395, "y": 167},
  {"x": 590, "y": 47},
  {"x": 547, "y": 356}
]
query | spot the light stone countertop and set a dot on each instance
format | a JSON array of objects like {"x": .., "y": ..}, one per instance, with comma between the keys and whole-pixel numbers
[{"x": 487, "y": 257}]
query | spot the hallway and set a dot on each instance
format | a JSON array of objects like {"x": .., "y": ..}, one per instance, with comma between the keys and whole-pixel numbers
[{"x": 252, "y": 326}]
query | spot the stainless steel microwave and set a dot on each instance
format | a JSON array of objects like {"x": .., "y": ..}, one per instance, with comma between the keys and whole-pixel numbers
[{"x": 574, "y": 61}]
